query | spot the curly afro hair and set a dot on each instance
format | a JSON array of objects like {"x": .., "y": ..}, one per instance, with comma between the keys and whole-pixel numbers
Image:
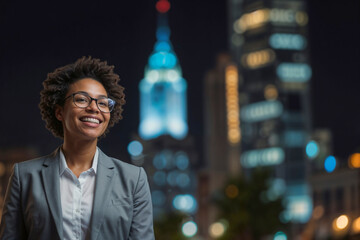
[{"x": 57, "y": 84}]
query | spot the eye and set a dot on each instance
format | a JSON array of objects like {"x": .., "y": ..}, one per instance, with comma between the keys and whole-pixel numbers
[
  {"x": 103, "y": 102},
  {"x": 79, "y": 98}
]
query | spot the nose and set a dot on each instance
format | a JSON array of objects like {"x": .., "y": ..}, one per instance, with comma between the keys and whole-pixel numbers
[{"x": 93, "y": 106}]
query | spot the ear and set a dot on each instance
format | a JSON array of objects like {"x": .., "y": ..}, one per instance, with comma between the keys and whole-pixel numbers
[{"x": 58, "y": 112}]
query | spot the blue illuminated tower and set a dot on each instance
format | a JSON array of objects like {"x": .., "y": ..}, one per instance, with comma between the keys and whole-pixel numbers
[
  {"x": 164, "y": 147},
  {"x": 163, "y": 90}
]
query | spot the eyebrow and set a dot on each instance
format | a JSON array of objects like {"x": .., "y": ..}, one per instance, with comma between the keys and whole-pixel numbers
[{"x": 86, "y": 93}]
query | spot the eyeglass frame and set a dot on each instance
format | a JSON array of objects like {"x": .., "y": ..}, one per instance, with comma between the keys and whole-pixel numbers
[{"x": 91, "y": 99}]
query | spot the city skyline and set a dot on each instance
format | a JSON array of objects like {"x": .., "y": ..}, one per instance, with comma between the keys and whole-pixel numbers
[{"x": 40, "y": 38}]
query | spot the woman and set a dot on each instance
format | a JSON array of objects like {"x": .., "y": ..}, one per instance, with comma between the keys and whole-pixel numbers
[{"x": 78, "y": 192}]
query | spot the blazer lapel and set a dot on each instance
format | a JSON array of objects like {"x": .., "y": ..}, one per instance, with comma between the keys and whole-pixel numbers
[
  {"x": 104, "y": 176},
  {"x": 51, "y": 180}
]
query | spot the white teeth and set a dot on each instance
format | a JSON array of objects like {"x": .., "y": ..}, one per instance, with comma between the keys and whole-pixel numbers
[{"x": 93, "y": 120}]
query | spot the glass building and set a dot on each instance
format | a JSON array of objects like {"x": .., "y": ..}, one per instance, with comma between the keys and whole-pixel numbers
[{"x": 268, "y": 40}]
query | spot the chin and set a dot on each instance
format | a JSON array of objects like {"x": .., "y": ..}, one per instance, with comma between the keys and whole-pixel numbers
[{"x": 92, "y": 135}]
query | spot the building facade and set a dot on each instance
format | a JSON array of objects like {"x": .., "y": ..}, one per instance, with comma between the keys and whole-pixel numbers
[
  {"x": 222, "y": 135},
  {"x": 268, "y": 40}
]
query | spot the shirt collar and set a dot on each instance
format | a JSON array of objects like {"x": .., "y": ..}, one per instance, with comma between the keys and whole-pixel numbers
[{"x": 63, "y": 164}]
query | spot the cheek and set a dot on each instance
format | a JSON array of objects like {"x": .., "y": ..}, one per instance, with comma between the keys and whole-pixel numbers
[{"x": 107, "y": 119}]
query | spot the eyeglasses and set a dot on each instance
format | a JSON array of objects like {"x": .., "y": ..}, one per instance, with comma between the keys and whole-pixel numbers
[{"x": 83, "y": 100}]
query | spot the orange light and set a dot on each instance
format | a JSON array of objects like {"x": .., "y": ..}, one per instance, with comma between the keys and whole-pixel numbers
[
  {"x": 340, "y": 223},
  {"x": 232, "y": 191},
  {"x": 232, "y": 104},
  {"x": 258, "y": 59},
  {"x": 253, "y": 19},
  {"x": 354, "y": 160},
  {"x": 301, "y": 18},
  {"x": 270, "y": 92},
  {"x": 356, "y": 225},
  {"x": 318, "y": 212}
]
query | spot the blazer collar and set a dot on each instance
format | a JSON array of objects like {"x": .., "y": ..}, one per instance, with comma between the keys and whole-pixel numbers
[
  {"x": 51, "y": 181},
  {"x": 103, "y": 186}
]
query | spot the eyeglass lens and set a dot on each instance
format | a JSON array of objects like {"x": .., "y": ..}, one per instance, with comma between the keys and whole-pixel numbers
[{"x": 104, "y": 104}]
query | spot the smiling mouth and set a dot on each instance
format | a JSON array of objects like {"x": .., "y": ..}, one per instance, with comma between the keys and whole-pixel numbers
[{"x": 92, "y": 120}]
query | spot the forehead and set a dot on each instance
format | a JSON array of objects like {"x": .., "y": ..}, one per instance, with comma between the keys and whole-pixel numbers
[{"x": 89, "y": 85}]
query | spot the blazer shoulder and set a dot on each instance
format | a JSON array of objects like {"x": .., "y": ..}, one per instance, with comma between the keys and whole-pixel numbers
[
  {"x": 36, "y": 163},
  {"x": 32, "y": 163}
]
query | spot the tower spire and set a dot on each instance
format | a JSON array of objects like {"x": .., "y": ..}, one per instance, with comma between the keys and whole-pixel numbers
[{"x": 163, "y": 90}]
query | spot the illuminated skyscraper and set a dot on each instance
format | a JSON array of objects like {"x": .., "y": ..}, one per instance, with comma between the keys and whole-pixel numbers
[
  {"x": 164, "y": 147},
  {"x": 268, "y": 39},
  {"x": 221, "y": 135},
  {"x": 163, "y": 90}
]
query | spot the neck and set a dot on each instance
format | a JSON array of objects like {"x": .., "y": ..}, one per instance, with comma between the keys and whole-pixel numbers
[{"x": 79, "y": 154}]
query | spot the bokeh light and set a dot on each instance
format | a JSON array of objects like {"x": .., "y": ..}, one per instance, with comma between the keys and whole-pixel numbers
[
  {"x": 181, "y": 160},
  {"x": 280, "y": 236},
  {"x": 354, "y": 160},
  {"x": 356, "y": 225},
  {"x": 185, "y": 202},
  {"x": 294, "y": 72},
  {"x": 217, "y": 229},
  {"x": 287, "y": 41},
  {"x": 183, "y": 180},
  {"x": 253, "y": 19},
  {"x": 270, "y": 92},
  {"x": 232, "y": 104},
  {"x": 312, "y": 149},
  {"x": 232, "y": 191},
  {"x": 258, "y": 59},
  {"x": 260, "y": 111},
  {"x": 301, "y": 18},
  {"x": 340, "y": 222},
  {"x": 162, "y": 6},
  {"x": 318, "y": 212},
  {"x": 159, "y": 161},
  {"x": 330, "y": 164},
  {"x": 135, "y": 148},
  {"x": 171, "y": 178},
  {"x": 189, "y": 229}
]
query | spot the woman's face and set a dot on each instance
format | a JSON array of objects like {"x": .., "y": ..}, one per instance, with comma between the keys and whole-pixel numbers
[{"x": 83, "y": 123}]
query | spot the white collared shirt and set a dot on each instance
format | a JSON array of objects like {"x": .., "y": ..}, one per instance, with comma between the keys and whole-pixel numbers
[{"x": 77, "y": 196}]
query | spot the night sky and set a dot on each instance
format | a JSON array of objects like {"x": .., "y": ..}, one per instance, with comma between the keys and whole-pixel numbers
[{"x": 39, "y": 36}]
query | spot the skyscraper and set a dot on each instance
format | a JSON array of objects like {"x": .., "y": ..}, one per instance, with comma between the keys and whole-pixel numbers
[
  {"x": 268, "y": 40},
  {"x": 221, "y": 135},
  {"x": 167, "y": 151},
  {"x": 163, "y": 90}
]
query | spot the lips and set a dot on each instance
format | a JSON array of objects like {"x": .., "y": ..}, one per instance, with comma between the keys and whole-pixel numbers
[{"x": 91, "y": 120}]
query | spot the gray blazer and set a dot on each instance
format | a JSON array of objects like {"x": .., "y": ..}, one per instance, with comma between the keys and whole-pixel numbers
[{"x": 122, "y": 203}]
